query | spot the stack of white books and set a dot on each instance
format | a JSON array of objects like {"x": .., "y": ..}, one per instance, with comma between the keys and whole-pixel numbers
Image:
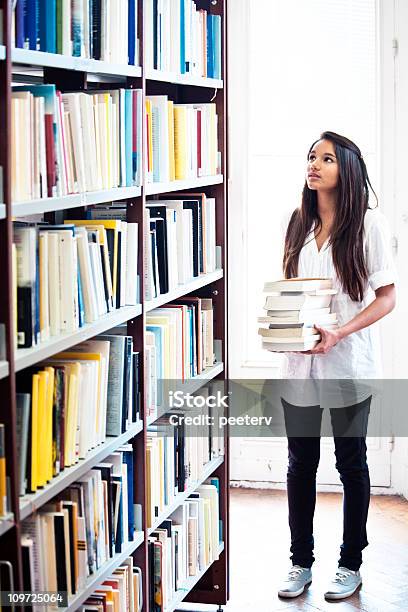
[{"x": 294, "y": 306}]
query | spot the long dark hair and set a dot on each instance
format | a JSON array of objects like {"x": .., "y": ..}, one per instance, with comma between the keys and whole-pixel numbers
[{"x": 346, "y": 236}]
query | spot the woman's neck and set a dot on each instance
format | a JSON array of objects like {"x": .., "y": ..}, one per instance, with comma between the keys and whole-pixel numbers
[{"x": 326, "y": 204}]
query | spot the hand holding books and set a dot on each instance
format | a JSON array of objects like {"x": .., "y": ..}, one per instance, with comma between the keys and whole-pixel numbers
[{"x": 294, "y": 306}]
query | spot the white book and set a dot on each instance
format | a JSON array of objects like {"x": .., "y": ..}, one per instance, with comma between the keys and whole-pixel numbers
[
  {"x": 299, "y": 284},
  {"x": 42, "y": 162},
  {"x": 68, "y": 280},
  {"x": 306, "y": 317},
  {"x": 72, "y": 105},
  {"x": 44, "y": 286},
  {"x": 66, "y": 28},
  {"x": 303, "y": 345},
  {"x": 89, "y": 142},
  {"x": 97, "y": 273},
  {"x": 87, "y": 280},
  {"x": 148, "y": 34},
  {"x": 296, "y": 302},
  {"x": 131, "y": 264},
  {"x": 123, "y": 265}
]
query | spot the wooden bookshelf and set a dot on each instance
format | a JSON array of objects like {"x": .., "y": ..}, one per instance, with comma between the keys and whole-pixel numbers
[{"x": 73, "y": 74}]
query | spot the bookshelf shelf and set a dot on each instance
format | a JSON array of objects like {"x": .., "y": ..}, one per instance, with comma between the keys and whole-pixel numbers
[
  {"x": 30, "y": 356},
  {"x": 4, "y": 369},
  {"x": 74, "y": 200},
  {"x": 181, "y": 497},
  {"x": 200, "y": 281},
  {"x": 32, "y": 502},
  {"x": 2, "y": 211},
  {"x": 55, "y": 60},
  {"x": 6, "y": 523},
  {"x": 203, "y": 181},
  {"x": 192, "y": 386},
  {"x": 188, "y": 585},
  {"x": 183, "y": 79},
  {"x": 103, "y": 573}
]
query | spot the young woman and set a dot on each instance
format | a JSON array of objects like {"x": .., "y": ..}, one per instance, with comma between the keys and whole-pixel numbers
[{"x": 335, "y": 234}]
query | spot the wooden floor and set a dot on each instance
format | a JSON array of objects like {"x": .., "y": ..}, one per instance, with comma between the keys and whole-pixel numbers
[{"x": 259, "y": 554}]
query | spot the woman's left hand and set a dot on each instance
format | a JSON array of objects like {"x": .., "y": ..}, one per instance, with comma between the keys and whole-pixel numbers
[{"x": 328, "y": 339}]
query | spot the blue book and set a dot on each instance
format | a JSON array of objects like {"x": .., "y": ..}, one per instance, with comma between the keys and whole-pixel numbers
[
  {"x": 216, "y": 482},
  {"x": 210, "y": 56},
  {"x": 19, "y": 16},
  {"x": 31, "y": 16},
  {"x": 128, "y": 459},
  {"x": 77, "y": 28},
  {"x": 182, "y": 38},
  {"x": 132, "y": 34},
  {"x": 217, "y": 45},
  {"x": 129, "y": 135},
  {"x": 48, "y": 26}
]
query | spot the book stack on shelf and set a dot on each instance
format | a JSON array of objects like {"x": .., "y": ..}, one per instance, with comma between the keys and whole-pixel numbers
[
  {"x": 106, "y": 293},
  {"x": 182, "y": 38},
  {"x": 293, "y": 307},
  {"x": 71, "y": 274},
  {"x": 121, "y": 591},
  {"x": 92, "y": 29},
  {"x": 75, "y": 534},
  {"x": 185, "y": 544},
  {"x": 181, "y": 140},
  {"x": 181, "y": 241},
  {"x": 66, "y": 143}
]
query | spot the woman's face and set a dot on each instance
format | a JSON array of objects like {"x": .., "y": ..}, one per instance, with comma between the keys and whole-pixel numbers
[{"x": 322, "y": 167}]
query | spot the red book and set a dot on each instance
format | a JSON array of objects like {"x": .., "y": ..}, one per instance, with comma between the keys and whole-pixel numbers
[{"x": 50, "y": 152}]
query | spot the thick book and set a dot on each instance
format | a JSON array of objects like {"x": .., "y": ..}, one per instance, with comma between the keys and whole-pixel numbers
[
  {"x": 308, "y": 317},
  {"x": 297, "y": 302},
  {"x": 291, "y": 344},
  {"x": 299, "y": 284},
  {"x": 302, "y": 331}
]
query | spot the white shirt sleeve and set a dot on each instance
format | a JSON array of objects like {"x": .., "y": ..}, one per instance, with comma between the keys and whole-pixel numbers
[{"x": 378, "y": 251}]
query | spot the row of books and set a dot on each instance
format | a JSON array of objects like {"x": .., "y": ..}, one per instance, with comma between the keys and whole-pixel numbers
[
  {"x": 72, "y": 403},
  {"x": 180, "y": 241},
  {"x": 179, "y": 346},
  {"x": 120, "y": 592},
  {"x": 175, "y": 461},
  {"x": 294, "y": 306},
  {"x": 181, "y": 140},
  {"x": 64, "y": 143},
  {"x": 71, "y": 274},
  {"x": 97, "y": 29},
  {"x": 185, "y": 544},
  {"x": 72, "y": 536},
  {"x": 182, "y": 39}
]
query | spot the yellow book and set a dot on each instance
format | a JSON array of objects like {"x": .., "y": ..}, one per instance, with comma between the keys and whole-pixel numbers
[
  {"x": 172, "y": 167},
  {"x": 42, "y": 429},
  {"x": 49, "y": 411},
  {"x": 3, "y": 486},
  {"x": 78, "y": 356},
  {"x": 180, "y": 150},
  {"x": 34, "y": 433},
  {"x": 114, "y": 225}
]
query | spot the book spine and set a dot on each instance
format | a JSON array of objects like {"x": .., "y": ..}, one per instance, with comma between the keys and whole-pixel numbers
[{"x": 3, "y": 486}]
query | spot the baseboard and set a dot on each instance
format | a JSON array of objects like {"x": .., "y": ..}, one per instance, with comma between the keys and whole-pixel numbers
[{"x": 321, "y": 488}]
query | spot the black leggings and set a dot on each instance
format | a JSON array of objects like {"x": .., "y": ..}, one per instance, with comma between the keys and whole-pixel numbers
[{"x": 351, "y": 463}]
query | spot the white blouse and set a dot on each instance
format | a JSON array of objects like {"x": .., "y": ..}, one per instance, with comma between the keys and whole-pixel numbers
[{"x": 358, "y": 355}]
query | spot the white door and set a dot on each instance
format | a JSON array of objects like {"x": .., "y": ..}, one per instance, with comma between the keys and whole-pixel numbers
[{"x": 286, "y": 106}]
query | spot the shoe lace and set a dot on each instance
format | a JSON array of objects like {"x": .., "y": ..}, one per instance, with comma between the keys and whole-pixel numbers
[
  {"x": 295, "y": 572},
  {"x": 341, "y": 576}
]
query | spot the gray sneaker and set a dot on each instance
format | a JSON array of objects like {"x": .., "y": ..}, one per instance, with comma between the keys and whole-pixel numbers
[
  {"x": 344, "y": 584},
  {"x": 296, "y": 581}
]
